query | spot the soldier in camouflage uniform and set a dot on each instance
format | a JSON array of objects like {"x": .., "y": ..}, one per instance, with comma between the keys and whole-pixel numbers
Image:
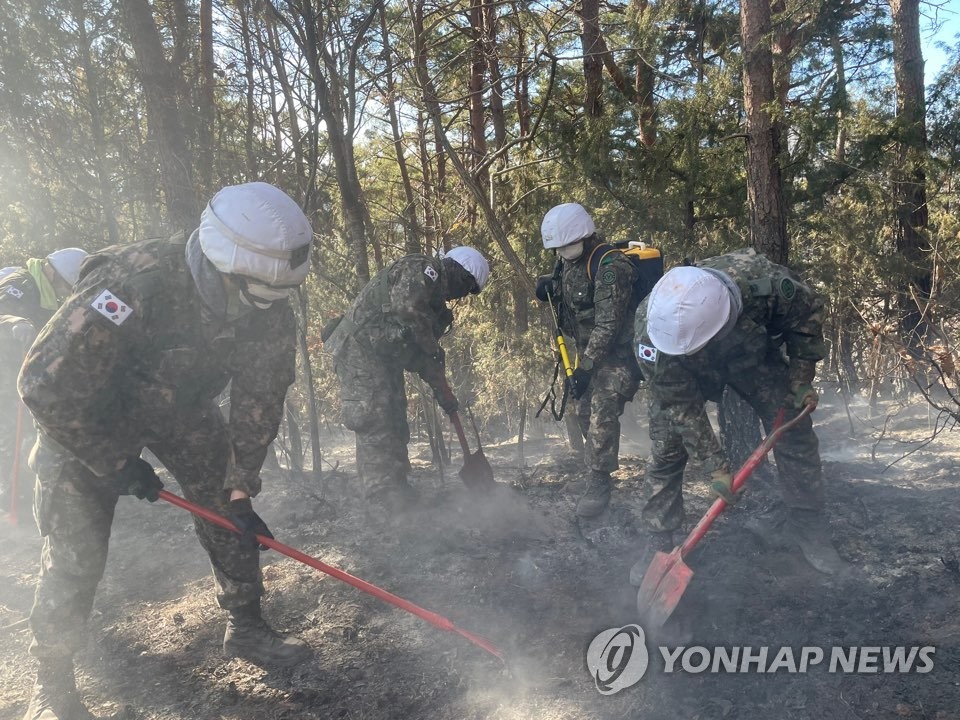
[
  {"x": 395, "y": 324},
  {"x": 28, "y": 298},
  {"x": 135, "y": 358},
  {"x": 596, "y": 313},
  {"x": 739, "y": 320}
]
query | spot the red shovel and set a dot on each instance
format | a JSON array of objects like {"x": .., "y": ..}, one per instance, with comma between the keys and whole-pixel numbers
[{"x": 668, "y": 575}]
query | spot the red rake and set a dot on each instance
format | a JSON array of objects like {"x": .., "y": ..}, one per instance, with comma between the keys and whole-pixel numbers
[
  {"x": 668, "y": 575},
  {"x": 437, "y": 621}
]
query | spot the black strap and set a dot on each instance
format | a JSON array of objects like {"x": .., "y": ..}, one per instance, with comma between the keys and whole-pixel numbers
[{"x": 551, "y": 396}]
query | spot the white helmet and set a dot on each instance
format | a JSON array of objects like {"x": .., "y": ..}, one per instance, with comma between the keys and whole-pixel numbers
[
  {"x": 565, "y": 224},
  {"x": 473, "y": 262},
  {"x": 67, "y": 263},
  {"x": 687, "y": 307},
  {"x": 7, "y": 271},
  {"x": 257, "y": 231}
]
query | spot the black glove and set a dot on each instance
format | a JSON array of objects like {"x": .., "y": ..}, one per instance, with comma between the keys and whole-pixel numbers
[
  {"x": 545, "y": 286},
  {"x": 447, "y": 400},
  {"x": 579, "y": 382},
  {"x": 248, "y": 523},
  {"x": 140, "y": 479}
]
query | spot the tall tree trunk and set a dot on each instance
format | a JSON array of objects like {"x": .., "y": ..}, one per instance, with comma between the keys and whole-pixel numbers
[
  {"x": 647, "y": 115},
  {"x": 427, "y": 194},
  {"x": 411, "y": 227},
  {"x": 592, "y": 58},
  {"x": 841, "y": 98},
  {"x": 768, "y": 222},
  {"x": 161, "y": 90},
  {"x": 280, "y": 70},
  {"x": 205, "y": 114},
  {"x": 252, "y": 157},
  {"x": 909, "y": 186},
  {"x": 497, "y": 114},
  {"x": 739, "y": 424},
  {"x": 92, "y": 77}
]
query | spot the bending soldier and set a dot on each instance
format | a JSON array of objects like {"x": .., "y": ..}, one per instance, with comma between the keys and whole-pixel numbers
[
  {"x": 728, "y": 321},
  {"x": 395, "y": 324},
  {"x": 135, "y": 358}
]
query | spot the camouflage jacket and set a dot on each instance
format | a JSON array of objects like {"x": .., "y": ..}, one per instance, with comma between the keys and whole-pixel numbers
[
  {"x": 19, "y": 301},
  {"x": 595, "y": 312},
  {"x": 400, "y": 316},
  {"x": 133, "y": 350},
  {"x": 780, "y": 312}
]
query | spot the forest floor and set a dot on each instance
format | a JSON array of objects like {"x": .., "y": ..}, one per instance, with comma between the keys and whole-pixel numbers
[{"x": 516, "y": 569}]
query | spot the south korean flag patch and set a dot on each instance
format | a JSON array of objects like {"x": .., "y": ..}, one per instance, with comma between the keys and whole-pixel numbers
[
  {"x": 430, "y": 272},
  {"x": 646, "y": 353},
  {"x": 111, "y": 307}
]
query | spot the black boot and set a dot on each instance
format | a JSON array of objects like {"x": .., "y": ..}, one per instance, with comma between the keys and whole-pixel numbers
[
  {"x": 389, "y": 503},
  {"x": 655, "y": 542},
  {"x": 597, "y": 495},
  {"x": 249, "y": 637},
  {"x": 809, "y": 531},
  {"x": 55, "y": 695}
]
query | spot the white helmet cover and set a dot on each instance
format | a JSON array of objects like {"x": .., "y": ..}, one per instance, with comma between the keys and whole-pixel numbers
[
  {"x": 565, "y": 224},
  {"x": 473, "y": 262},
  {"x": 687, "y": 307},
  {"x": 67, "y": 263},
  {"x": 7, "y": 271},
  {"x": 257, "y": 231}
]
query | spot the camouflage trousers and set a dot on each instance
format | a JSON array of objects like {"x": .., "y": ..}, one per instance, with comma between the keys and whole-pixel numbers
[
  {"x": 74, "y": 511},
  {"x": 797, "y": 453},
  {"x": 612, "y": 386},
  {"x": 9, "y": 407},
  {"x": 375, "y": 408}
]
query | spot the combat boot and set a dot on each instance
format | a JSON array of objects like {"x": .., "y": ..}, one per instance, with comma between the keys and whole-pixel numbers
[
  {"x": 596, "y": 497},
  {"x": 809, "y": 531},
  {"x": 249, "y": 637},
  {"x": 388, "y": 503},
  {"x": 55, "y": 695},
  {"x": 654, "y": 542}
]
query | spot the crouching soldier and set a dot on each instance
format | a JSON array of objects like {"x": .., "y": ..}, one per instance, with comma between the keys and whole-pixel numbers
[
  {"x": 395, "y": 324},
  {"x": 728, "y": 321},
  {"x": 135, "y": 358}
]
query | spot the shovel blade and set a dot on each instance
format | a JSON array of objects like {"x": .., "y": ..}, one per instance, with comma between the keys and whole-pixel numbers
[
  {"x": 476, "y": 472},
  {"x": 663, "y": 585}
]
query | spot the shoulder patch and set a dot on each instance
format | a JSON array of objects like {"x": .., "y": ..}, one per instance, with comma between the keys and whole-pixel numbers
[
  {"x": 431, "y": 273},
  {"x": 646, "y": 353},
  {"x": 15, "y": 292},
  {"x": 761, "y": 287},
  {"x": 787, "y": 289},
  {"x": 111, "y": 307},
  {"x": 608, "y": 276}
]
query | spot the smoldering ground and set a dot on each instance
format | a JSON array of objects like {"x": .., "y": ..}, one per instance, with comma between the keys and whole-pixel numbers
[{"x": 516, "y": 569}]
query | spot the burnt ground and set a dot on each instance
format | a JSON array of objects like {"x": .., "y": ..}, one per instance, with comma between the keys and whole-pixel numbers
[{"x": 516, "y": 569}]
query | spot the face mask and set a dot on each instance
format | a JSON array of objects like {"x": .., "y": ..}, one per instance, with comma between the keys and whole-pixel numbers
[
  {"x": 572, "y": 251},
  {"x": 261, "y": 296}
]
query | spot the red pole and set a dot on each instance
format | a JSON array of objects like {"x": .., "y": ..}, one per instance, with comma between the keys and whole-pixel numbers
[
  {"x": 436, "y": 620},
  {"x": 719, "y": 505}
]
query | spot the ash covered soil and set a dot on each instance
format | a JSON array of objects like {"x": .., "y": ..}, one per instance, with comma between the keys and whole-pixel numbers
[{"x": 517, "y": 569}]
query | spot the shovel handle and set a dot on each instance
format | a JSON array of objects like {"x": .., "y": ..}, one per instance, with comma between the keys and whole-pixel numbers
[
  {"x": 461, "y": 436},
  {"x": 756, "y": 457}
]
